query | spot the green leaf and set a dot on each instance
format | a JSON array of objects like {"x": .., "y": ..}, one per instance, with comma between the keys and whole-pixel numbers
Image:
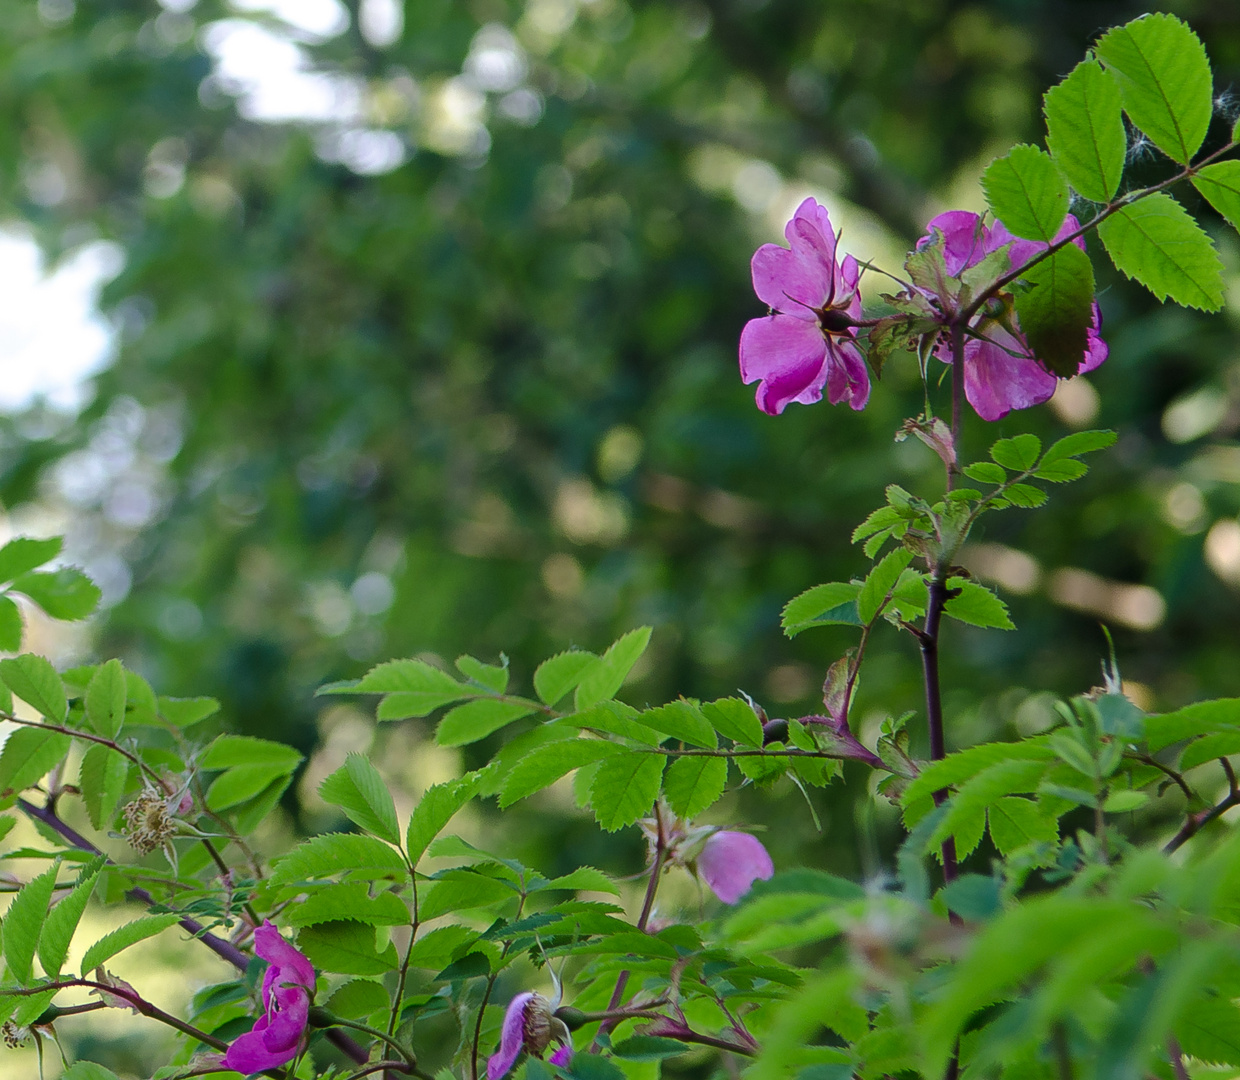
[
  {"x": 64, "y": 594},
  {"x": 880, "y": 581},
  {"x": 479, "y": 718},
  {"x": 140, "y": 700},
  {"x": 87, "y": 1070},
  {"x": 24, "y": 922},
  {"x": 1121, "y": 802},
  {"x": 1056, "y": 312},
  {"x": 29, "y": 755},
  {"x": 458, "y": 890},
  {"x": 1210, "y": 1031},
  {"x": 230, "y": 750},
  {"x": 1085, "y": 130},
  {"x": 560, "y": 674},
  {"x": 546, "y": 764},
  {"x": 62, "y": 921},
  {"x": 682, "y": 720},
  {"x": 1210, "y": 748},
  {"x": 592, "y": 1067},
  {"x": 603, "y": 678},
  {"x": 1220, "y": 184},
  {"x": 403, "y": 704},
  {"x": 492, "y": 676},
  {"x": 102, "y": 780},
  {"x": 358, "y": 789},
  {"x": 584, "y": 877},
  {"x": 105, "y": 699},
  {"x": 1061, "y": 472},
  {"x": 1027, "y": 193},
  {"x": 1017, "y": 453},
  {"x": 128, "y": 935},
  {"x": 35, "y": 681},
  {"x": 1016, "y": 822},
  {"x": 240, "y": 784},
  {"x": 435, "y": 809},
  {"x": 972, "y": 896},
  {"x": 1163, "y": 75},
  {"x": 1025, "y": 495},
  {"x": 823, "y": 605},
  {"x": 346, "y": 948},
  {"x": 11, "y": 625},
  {"x": 358, "y": 998},
  {"x": 1079, "y": 442},
  {"x": 648, "y": 1048},
  {"x": 960, "y": 766},
  {"x": 335, "y": 853},
  {"x": 986, "y": 788},
  {"x": 977, "y": 606},
  {"x": 1156, "y": 242},
  {"x": 735, "y": 719},
  {"x": 694, "y": 784},
  {"x": 986, "y": 472},
  {"x": 625, "y": 788},
  {"x": 352, "y": 901},
  {"x": 186, "y": 712},
  {"x": 25, "y": 553},
  {"x": 410, "y": 676}
]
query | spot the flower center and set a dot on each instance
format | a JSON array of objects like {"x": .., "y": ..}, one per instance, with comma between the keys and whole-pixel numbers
[{"x": 834, "y": 320}]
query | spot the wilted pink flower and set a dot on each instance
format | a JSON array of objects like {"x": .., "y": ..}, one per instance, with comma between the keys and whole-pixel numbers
[
  {"x": 529, "y": 1024},
  {"x": 808, "y": 342},
  {"x": 1000, "y": 371},
  {"x": 287, "y": 987},
  {"x": 731, "y": 862}
]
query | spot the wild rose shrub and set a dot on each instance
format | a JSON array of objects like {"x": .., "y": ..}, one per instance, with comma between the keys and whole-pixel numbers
[{"x": 1024, "y": 928}]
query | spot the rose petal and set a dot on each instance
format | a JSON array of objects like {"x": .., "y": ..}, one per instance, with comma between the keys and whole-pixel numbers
[
  {"x": 731, "y": 862},
  {"x": 788, "y": 355},
  {"x": 787, "y": 283},
  {"x": 562, "y": 1056},
  {"x": 511, "y": 1039},
  {"x": 964, "y": 236},
  {"x": 293, "y": 966},
  {"x": 996, "y": 382},
  {"x": 848, "y": 379}
]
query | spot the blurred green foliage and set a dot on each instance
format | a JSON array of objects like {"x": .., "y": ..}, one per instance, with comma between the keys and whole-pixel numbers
[{"x": 487, "y": 400}]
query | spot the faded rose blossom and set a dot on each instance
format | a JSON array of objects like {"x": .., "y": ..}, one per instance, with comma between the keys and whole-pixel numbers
[
  {"x": 1001, "y": 372},
  {"x": 529, "y": 1025},
  {"x": 288, "y": 985},
  {"x": 13, "y": 1035},
  {"x": 730, "y": 862},
  {"x": 150, "y": 821},
  {"x": 808, "y": 342}
]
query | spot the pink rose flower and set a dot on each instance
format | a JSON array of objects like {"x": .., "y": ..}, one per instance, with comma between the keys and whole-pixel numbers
[
  {"x": 808, "y": 342},
  {"x": 1001, "y": 372},
  {"x": 731, "y": 862},
  {"x": 277, "y": 1036},
  {"x": 529, "y": 1024}
]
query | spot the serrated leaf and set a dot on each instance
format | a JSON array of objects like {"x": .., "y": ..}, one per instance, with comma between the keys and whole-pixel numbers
[
  {"x": 880, "y": 581},
  {"x": 229, "y": 750},
  {"x": 11, "y": 626},
  {"x": 410, "y": 676},
  {"x": 240, "y": 784},
  {"x": 352, "y": 901},
  {"x": 1122, "y": 802},
  {"x": 102, "y": 782},
  {"x": 1085, "y": 130},
  {"x": 1017, "y": 453},
  {"x": 35, "y": 681},
  {"x": 64, "y": 594},
  {"x": 882, "y": 518},
  {"x": 1027, "y": 193},
  {"x": 457, "y": 890},
  {"x": 1015, "y": 822},
  {"x": 1025, "y": 495},
  {"x": 625, "y": 787},
  {"x": 477, "y": 719},
  {"x": 492, "y": 676},
  {"x": 141, "y": 703},
  {"x": 87, "y": 1070},
  {"x": 1209, "y": 748},
  {"x": 546, "y": 764},
  {"x": 105, "y": 699},
  {"x": 1220, "y": 184},
  {"x": 693, "y": 784},
  {"x": 960, "y": 766},
  {"x": 1156, "y": 243},
  {"x": 583, "y": 878},
  {"x": 358, "y": 998},
  {"x": 358, "y": 789},
  {"x": 1210, "y": 1031},
  {"x": 977, "y": 606},
  {"x": 403, "y": 704},
  {"x": 29, "y": 755},
  {"x": 25, "y": 554},
  {"x": 682, "y": 720},
  {"x": 1062, "y": 471},
  {"x": 986, "y": 472},
  {"x": 734, "y": 719},
  {"x": 62, "y": 921},
  {"x": 603, "y": 678},
  {"x": 1059, "y": 308},
  {"x": 1079, "y": 442},
  {"x": 336, "y": 853},
  {"x": 186, "y": 712},
  {"x": 123, "y": 938},
  {"x": 558, "y": 675},
  {"x": 823, "y": 605},
  {"x": 972, "y": 896},
  {"x": 1163, "y": 75},
  {"x": 346, "y": 948},
  {"x": 1005, "y": 778},
  {"x": 24, "y": 921},
  {"x": 438, "y": 805}
]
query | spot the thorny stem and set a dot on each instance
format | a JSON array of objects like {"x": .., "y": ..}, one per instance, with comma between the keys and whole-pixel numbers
[
  {"x": 226, "y": 950},
  {"x": 715, "y": 1041},
  {"x": 652, "y": 886},
  {"x": 111, "y": 744},
  {"x": 957, "y": 399},
  {"x": 404, "y": 966},
  {"x": 1195, "y": 822},
  {"x": 486, "y": 995},
  {"x": 331, "y": 1020},
  {"x": 1177, "y": 1058},
  {"x": 1147, "y": 759}
]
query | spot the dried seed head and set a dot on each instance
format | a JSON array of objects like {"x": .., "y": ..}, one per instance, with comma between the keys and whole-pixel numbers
[
  {"x": 13, "y": 1035},
  {"x": 148, "y": 822}
]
